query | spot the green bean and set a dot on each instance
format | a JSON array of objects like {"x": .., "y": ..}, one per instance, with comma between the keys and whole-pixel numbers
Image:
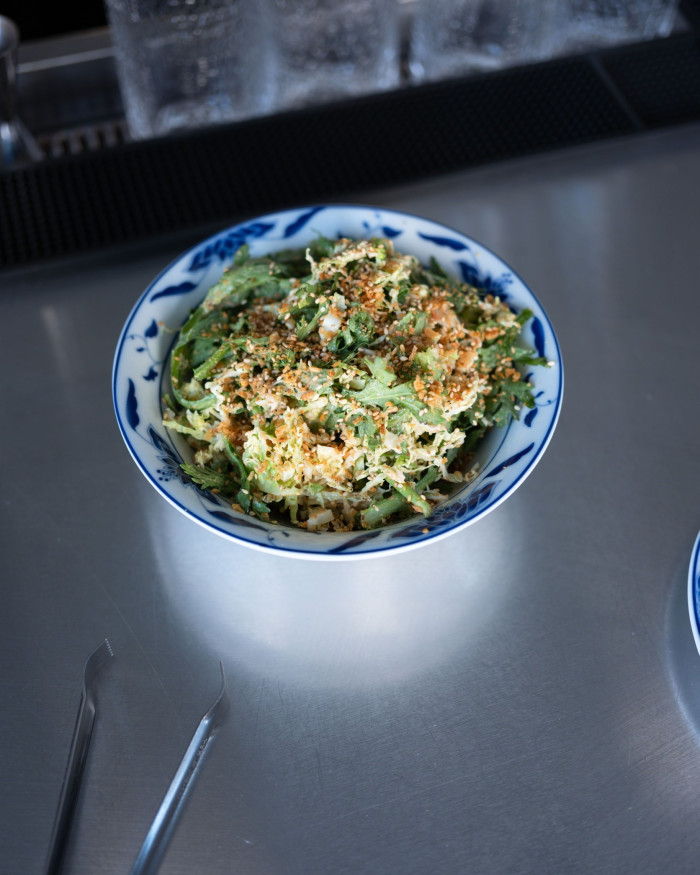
[
  {"x": 412, "y": 497},
  {"x": 381, "y": 509},
  {"x": 385, "y": 507},
  {"x": 208, "y": 366}
]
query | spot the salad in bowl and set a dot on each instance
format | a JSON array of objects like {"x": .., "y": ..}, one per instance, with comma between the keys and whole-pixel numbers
[{"x": 337, "y": 381}]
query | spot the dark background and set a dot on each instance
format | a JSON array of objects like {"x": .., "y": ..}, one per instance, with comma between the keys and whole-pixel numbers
[{"x": 37, "y": 19}]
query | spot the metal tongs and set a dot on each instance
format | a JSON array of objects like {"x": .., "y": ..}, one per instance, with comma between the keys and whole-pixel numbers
[
  {"x": 154, "y": 845},
  {"x": 82, "y": 735}
]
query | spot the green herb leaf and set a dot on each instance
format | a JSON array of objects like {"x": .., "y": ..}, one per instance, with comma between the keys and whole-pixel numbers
[
  {"x": 380, "y": 370},
  {"x": 207, "y": 478},
  {"x": 358, "y": 332},
  {"x": 376, "y": 394}
]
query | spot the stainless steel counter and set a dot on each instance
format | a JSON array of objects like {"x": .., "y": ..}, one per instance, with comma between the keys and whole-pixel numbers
[{"x": 523, "y": 697}]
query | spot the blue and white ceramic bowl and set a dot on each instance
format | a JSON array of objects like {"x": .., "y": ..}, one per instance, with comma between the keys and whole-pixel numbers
[
  {"x": 694, "y": 591},
  {"x": 505, "y": 456}
]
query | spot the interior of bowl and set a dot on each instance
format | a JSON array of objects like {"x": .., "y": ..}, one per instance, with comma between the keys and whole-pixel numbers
[{"x": 503, "y": 458}]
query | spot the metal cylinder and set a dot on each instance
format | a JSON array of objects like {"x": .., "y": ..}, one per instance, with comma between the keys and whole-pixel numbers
[{"x": 9, "y": 41}]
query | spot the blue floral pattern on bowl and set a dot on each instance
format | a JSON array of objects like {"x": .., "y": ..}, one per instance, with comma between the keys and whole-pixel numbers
[{"x": 505, "y": 456}]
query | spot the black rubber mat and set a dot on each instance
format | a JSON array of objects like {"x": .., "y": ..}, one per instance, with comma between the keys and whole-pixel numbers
[
  {"x": 662, "y": 86},
  {"x": 135, "y": 191}
]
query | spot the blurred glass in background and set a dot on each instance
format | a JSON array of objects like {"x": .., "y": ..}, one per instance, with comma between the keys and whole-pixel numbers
[
  {"x": 587, "y": 24},
  {"x": 329, "y": 49},
  {"x": 17, "y": 146},
  {"x": 184, "y": 64},
  {"x": 188, "y": 63},
  {"x": 453, "y": 37},
  {"x": 458, "y": 37}
]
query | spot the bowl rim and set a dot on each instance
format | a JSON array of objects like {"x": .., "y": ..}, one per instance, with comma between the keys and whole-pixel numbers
[
  {"x": 377, "y": 550},
  {"x": 694, "y": 591}
]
